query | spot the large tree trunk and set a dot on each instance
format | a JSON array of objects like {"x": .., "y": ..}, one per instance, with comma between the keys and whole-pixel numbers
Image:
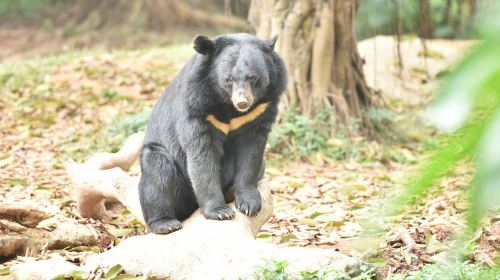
[{"x": 318, "y": 45}]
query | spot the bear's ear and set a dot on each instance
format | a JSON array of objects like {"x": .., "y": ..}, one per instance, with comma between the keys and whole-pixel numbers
[
  {"x": 203, "y": 45},
  {"x": 271, "y": 42}
]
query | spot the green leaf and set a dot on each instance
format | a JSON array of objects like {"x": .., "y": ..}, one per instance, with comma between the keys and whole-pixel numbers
[
  {"x": 309, "y": 222},
  {"x": 4, "y": 270},
  {"x": 127, "y": 277},
  {"x": 113, "y": 272},
  {"x": 79, "y": 275},
  {"x": 486, "y": 185},
  {"x": 65, "y": 201},
  {"x": 15, "y": 182},
  {"x": 377, "y": 262},
  {"x": 454, "y": 102},
  {"x": 295, "y": 185},
  {"x": 120, "y": 232},
  {"x": 459, "y": 146},
  {"x": 489, "y": 152},
  {"x": 314, "y": 215},
  {"x": 287, "y": 238}
]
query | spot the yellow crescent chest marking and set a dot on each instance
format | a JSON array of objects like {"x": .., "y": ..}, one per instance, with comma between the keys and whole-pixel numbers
[
  {"x": 224, "y": 127},
  {"x": 238, "y": 122}
]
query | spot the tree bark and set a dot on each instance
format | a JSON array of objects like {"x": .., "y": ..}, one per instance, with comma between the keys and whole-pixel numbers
[
  {"x": 425, "y": 19},
  {"x": 446, "y": 12},
  {"x": 228, "y": 8},
  {"x": 457, "y": 23},
  {"x": 318, "y": 45},
  {"x": 398, "y": 30}
]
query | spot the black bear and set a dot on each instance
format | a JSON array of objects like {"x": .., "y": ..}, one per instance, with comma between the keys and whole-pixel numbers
[{"x": 208, "y": 132}]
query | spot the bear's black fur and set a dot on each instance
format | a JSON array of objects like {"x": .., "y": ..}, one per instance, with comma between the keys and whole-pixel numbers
[{"x": 208, "y": 132}]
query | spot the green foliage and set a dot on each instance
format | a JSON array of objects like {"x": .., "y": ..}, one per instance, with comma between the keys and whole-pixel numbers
[
  {"x": 129, "y": 125},
  {"x": 272, "y": 270},
  {"x": 73, "y": 275},
  {"x": 115, "y": 134},
  {"x": 114, "y": 273},
  {"x": 378, "y": 17},
  {"x": 300, "y": 137},
  {"x": 464, "y": 271},
  {"x": 276, "y": 270},
  {"x": 27, "y": 8},
  {"x": 4, "y": 270},
  {"x": 469, "y": 104}
]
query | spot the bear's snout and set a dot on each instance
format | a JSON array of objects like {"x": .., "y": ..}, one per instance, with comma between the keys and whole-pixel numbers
[
  {"x": 242, "y": 104},
  {"x": 242, "y": 97}
]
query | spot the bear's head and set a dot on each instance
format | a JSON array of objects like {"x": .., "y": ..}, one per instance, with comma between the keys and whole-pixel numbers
[{"x": 244, "y": 67}]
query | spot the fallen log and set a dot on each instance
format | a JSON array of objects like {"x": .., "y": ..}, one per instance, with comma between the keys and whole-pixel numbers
[
  {"x": 25, "y": 213},
  {"x": 27, "y": 228},
  {"x": 202, "y": 249}
]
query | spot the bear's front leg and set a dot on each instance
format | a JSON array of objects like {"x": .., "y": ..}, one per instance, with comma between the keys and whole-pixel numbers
[
  {"x": 204, "y": 155},
  {"x": 249, "y": 169}
]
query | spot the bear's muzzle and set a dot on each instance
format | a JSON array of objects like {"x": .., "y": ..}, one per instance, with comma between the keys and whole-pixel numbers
[{"x": 242, "y": 96}]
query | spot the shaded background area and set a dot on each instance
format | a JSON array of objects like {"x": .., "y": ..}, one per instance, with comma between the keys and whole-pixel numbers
[
  {"x": 32, "y": 27},
  {"x": 52, "y": 26}
]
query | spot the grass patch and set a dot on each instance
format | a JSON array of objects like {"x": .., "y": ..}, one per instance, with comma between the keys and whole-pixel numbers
[
  {"x": 276, "y": 270},
  {"x": 321, "y": 139},
  {"x": 464, "y": 271}
]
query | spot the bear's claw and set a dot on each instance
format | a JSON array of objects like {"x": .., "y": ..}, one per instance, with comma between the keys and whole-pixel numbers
[
  {"x": 248, "y": 202},
  {"x": 165, "y": 226},
  {"x": 219, "y": 213}
]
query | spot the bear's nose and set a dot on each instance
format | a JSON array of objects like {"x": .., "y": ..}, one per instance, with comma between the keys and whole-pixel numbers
[{"x": 242, "y": 104}]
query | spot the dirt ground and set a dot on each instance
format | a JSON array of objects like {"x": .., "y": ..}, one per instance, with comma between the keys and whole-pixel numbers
[
  {"x": 53, "y": 109},
  {"x": 415, "y": 82}
]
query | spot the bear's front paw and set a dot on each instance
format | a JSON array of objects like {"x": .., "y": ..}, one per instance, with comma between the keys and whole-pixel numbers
[
  {"x": 248, "y": 201},
  {"x": 165, "y": 226},
  {"x": 218, "y": 213}
]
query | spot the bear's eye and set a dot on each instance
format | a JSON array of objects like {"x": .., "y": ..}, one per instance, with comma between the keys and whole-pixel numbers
[
  {"x": 251, "y": 78},
  {"x": 229, "y": 79}
]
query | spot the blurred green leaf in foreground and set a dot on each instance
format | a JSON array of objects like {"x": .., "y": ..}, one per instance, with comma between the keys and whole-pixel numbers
[{"x": 468, "y": 106}]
